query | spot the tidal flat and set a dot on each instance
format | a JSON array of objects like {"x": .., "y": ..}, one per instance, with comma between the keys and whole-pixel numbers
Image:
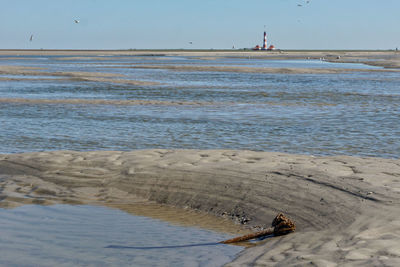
[{"x": 234, "y": 135}]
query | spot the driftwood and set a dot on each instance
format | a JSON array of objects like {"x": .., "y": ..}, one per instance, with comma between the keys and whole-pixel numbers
[{"x": 281, "y": 225}]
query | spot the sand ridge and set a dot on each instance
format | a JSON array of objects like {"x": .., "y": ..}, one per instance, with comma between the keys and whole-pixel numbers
[
  {"x": 254, "y": 69},
  {"x": 346, "y": 208},
  {"x": 382, "y": 58},
  {"x": 85, "y": 76}
]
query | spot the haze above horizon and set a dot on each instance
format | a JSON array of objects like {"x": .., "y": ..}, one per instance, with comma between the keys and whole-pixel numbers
[{"x": 207, "y": 24}]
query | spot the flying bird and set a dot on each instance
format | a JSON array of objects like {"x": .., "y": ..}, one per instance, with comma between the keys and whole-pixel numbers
[
  {"x": 31, "y": 38},
  {"x": 76, "y": 21}
]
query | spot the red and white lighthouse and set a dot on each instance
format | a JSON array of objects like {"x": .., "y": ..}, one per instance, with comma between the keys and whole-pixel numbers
[{"x": 264, "y": 47}]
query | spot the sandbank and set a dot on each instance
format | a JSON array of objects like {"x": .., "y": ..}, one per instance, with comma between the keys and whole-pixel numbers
[
  {"x": 383, "y": 58},
  {"x": 20, "y": 71},
  {"x": 346, "y": 208},
  {"x": 255, "y": 69}
]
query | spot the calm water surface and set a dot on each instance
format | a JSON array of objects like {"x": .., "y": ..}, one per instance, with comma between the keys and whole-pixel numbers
[
  {"x": 322, "y": 114},
  {"x": 64, "y": 235}
]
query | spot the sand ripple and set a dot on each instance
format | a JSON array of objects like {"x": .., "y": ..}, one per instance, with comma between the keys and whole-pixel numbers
[{"x": 346, "y": 208}]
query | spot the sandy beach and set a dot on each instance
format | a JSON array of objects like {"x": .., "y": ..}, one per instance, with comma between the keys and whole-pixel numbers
[{"x": 346, "y": 208}]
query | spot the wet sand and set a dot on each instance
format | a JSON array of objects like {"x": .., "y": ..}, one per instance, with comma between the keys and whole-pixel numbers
[
  {"x": 43, "y": 74},
  {"x": 386, "y": 59},
  {"x": 78, "y": 101},
  {"x": 389, "y": 61},
  {"x": 346, "y": 208},
  {"x": 254, "y": 69}
]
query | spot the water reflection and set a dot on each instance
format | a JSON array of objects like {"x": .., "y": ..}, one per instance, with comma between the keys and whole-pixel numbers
[{"x": 65, "y": 235}]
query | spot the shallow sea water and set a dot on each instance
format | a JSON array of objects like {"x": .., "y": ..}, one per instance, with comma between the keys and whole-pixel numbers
[
  {"x": 353, "y": 113},
  {"x": 64, "y": 235}
]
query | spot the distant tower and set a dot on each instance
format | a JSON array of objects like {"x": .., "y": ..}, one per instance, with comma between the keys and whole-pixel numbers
[{"x": 264, "y": 47}]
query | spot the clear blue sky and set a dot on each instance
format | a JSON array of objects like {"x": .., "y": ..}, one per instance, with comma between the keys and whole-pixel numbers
[{"x": 124, "y": 24}]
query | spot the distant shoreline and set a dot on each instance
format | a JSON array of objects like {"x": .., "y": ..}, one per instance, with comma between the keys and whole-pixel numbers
[
  {"x": 210, "y": 50},
  {"x": 389, "y": 59}
]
